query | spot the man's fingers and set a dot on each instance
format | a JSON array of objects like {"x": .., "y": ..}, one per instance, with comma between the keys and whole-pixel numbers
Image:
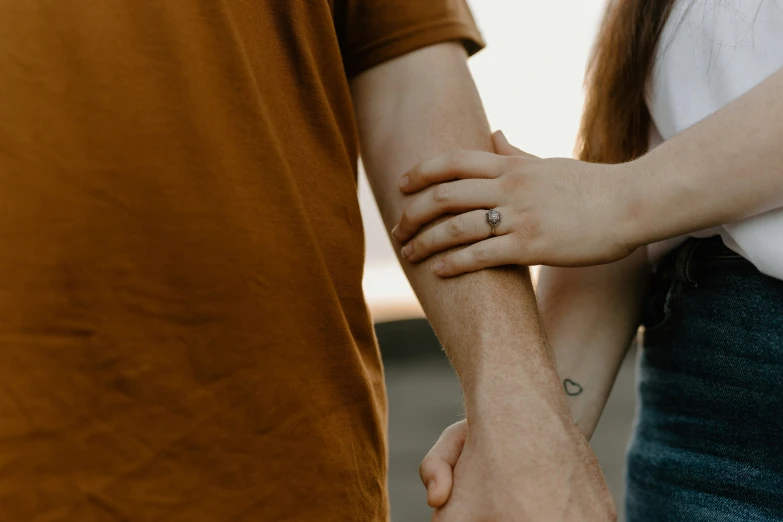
[
  {"x": 437, "y": 468},
  {"x": 502, "y": 146},
  {"x": 460, "y": 164},
  {"x": 495, "y": 251}
]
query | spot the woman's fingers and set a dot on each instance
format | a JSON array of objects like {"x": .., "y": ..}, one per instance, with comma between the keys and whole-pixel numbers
[
  {"x": 495, "y": 251},
  {"x": 457, "y": 196},
  {"x": 458, "y": 230},
  {"x": 437, "y": 468},
  {"x": 460, "y": 164}
]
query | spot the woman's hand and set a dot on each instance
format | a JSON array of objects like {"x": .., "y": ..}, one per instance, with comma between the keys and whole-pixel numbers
[{"x": 556, "y": 212}]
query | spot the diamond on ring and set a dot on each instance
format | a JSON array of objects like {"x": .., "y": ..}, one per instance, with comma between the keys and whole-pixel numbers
[{"x": 493, "y": 218}]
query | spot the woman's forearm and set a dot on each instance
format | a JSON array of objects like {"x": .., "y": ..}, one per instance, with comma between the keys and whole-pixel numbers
[
  {"x": 591, "y": 316},
  {"x": 722, "y": 169}
]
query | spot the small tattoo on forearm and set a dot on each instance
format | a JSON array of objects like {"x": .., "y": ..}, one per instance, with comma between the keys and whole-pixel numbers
[{"x": 572, "y": 388}]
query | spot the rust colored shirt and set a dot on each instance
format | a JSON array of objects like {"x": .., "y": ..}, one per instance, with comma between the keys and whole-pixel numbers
[{"x": 183, "y": 336}]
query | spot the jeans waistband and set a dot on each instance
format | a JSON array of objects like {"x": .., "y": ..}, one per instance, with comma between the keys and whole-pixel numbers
[{"x": 697, "y": 254}]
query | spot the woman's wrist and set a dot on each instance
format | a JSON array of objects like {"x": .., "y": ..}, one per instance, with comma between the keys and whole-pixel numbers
[
  {"x": 653, "y": 198},
  {"x": 676, "y": 193}
]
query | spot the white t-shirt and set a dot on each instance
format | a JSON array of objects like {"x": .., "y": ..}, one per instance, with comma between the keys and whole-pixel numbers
[{"x": 711, "y": 52}]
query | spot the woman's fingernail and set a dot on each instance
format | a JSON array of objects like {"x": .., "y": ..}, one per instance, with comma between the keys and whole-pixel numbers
[
  {"x": 405, "y": 181},
  {"x": 406, "y": 251},
  {"x": 395, "y": 229},
  {"x": 438, "y": 267}
]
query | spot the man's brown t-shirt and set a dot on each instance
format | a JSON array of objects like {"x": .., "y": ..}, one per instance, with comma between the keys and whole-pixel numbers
[{"x": 183, "y": 335}]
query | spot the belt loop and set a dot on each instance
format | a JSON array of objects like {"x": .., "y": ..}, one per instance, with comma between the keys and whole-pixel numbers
[{"x": 686, "y": 262}]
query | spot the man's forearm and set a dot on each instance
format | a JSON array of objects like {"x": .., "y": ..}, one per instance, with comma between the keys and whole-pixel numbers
[{"x": 487, "y": 321}]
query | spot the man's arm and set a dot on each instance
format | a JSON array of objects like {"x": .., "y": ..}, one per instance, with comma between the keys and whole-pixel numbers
[{"x": 414, "y": 108}]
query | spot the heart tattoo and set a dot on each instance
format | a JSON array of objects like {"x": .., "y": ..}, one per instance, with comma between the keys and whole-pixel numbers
[{"x": 572, "y": 388}]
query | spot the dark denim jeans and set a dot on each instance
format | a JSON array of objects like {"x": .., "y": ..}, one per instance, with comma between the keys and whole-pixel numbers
[{"x": 708, "y": 442}]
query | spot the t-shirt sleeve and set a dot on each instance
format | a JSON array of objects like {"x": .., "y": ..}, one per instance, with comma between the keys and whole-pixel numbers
[{"x": 374, "y": 31}]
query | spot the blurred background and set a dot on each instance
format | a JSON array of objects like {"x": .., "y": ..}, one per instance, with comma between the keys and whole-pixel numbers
[{"x": 530, "y": 79}]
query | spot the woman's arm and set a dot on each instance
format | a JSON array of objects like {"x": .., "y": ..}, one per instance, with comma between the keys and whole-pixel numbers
[
  {"x": 723, "y": 169},
  {"x": 591, "y": 316},
  {"x": 562, "y": 212}
]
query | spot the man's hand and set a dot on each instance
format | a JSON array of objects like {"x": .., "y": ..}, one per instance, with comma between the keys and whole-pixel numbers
[{"x": 561, "y": 481}]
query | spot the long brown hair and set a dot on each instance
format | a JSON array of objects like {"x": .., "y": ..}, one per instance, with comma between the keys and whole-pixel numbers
[{"x": 616, "y": 122}]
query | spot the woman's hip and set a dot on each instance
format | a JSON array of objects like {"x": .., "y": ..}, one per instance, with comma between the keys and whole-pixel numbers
[{"x": 708, "y": 441}]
